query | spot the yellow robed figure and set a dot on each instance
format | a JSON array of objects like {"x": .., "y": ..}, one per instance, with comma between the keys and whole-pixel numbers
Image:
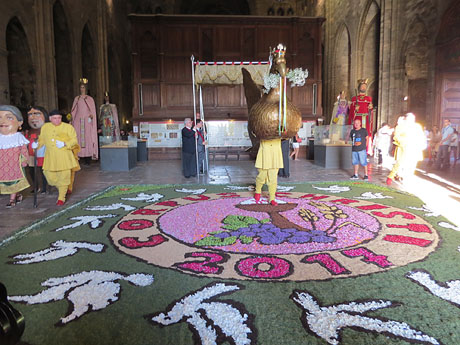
[
  {"x": 61, "y": 144},
  {"x": 269, "y": 160}
]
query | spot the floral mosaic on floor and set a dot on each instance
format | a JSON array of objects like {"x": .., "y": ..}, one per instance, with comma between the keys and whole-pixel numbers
[{"x": 332, "y": 263}]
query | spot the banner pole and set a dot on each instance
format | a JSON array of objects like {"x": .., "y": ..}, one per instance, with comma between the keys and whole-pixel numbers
[{"x": 194, "y": 111}]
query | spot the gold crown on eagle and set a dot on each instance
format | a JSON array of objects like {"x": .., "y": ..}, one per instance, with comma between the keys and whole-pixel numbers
[{"x": 280, "y": 50}]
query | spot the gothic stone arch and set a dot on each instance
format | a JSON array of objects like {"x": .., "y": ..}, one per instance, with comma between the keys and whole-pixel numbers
[{"x": 21, "y": 71}]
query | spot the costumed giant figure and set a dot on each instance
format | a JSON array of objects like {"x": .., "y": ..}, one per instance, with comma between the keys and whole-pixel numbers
[
  {"x": 36, "y": 117},
  {"x": 362, "y": 107},
  {"x": 340, "y": 110},
  {"x": 339, "y": 117},
  {"x": 271, "y": 117},
  {"x": 108, "y": 118},
  {"x": 13, "y": 154},
  {"x": 85, "y": 124}
]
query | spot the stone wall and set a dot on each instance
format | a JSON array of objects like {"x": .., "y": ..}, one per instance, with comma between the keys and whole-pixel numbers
[
  {"x": 36, "y": 20},
  {"x": 405, "y": 44},
  {"x": 390, "y": 42}
]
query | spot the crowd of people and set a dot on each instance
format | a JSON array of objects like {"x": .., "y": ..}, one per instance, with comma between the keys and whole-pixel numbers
[
  {"x": 48, "y": 150},
  {"x": 194, "y": 142},
  {"x": 401, "y": 147}
]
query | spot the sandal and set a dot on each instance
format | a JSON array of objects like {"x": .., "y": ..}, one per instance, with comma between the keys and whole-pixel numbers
[
  {"x": 12, "y": 203},
  {"x": 19, "y": 198}
]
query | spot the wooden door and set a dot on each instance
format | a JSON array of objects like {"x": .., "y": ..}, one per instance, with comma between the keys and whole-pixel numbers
[
  {"x": 417, "y": 99},
  {"x": 450, "y": 98}
]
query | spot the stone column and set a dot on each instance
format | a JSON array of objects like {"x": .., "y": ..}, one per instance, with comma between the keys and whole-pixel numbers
[
  {"x": 391, "y": 68},
  {"x": 102, "y": 60},
  {"x": 4, "y": 82},
  {"x": 46, "y": 92},
  {"x": 328, "y": 60}
]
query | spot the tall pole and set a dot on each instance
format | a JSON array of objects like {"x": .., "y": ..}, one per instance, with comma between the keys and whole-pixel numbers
[
  {"x": 194, "y": 113},
  {"x": 204, "y": 131}
]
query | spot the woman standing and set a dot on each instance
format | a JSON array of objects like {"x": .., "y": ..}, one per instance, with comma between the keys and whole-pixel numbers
[
  {"x": 296, "y": 146},
  {"x": 85, "y": 124}
]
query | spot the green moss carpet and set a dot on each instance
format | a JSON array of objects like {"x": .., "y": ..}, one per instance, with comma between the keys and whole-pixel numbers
[{"x": 332, "y": 263}]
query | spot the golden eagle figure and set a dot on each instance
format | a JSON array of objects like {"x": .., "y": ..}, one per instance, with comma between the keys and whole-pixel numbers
[{"x": 265, "y": 120}]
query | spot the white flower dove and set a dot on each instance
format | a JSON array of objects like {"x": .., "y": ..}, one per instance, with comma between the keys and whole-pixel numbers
[
  {"x": 327, "y": 322},
  {"x": 284, "y": 188},
  {"x": 219, "y": 317},
  {"x": 111, "y": 207},
  {"x": 448, "y": 291},
  {"x": 449, "y": 226},
  {"x": 249, "y": 188},
  {"x": 371, "y": 196},
  {"x": 93, "y": 221},
  {"x": 428, "y": 212},
  {"x": 145, "y": 197},
  {"x": 333, "y": 189},
  {"x": 58, "y": 249},
  {"x": 191, "y": 191},
  {"x": 85, "y": 291}
]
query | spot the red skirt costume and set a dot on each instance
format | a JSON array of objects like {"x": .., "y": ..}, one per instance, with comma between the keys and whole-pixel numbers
[{"x": 13, "y": 157}]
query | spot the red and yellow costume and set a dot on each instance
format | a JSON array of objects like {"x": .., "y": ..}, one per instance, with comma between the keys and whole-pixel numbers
[
  {"x": 359, "y": 108},
  {"x": 13, "y": 158}
]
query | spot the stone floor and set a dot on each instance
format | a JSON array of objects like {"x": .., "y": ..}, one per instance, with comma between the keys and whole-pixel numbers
[{"x": 438, "y": 189}]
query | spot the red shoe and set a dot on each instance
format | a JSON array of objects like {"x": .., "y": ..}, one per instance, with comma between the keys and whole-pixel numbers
[
  {"x": 69, "y": 192},
  {"x": 389, "y": 181},
  {"x": 257, "y": 197},
  {"x": 60, "y": 203},
  {"x": 273, "y": 203}
]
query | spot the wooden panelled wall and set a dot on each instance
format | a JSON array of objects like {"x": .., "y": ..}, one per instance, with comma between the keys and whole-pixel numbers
[
  {"x": 448, "y": 67},
  {"x": 162, "y": 70}
]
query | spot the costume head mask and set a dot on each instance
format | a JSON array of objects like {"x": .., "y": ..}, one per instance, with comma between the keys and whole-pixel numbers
[
  {"x": 362, "y": 86},
  {"x": 10, "y": 119},
  {"x": 83, "y": 86},
  {"x": 342, "y": 98},
  {"x": 55, "y": 117},
  {"x": 36, "y": 117}
]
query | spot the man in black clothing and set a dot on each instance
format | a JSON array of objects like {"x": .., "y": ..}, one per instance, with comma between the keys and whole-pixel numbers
[
  {"x": 188, "y": 149},
  {"x": 201, "y": 145},
  {"x": 284, "y": 172}
]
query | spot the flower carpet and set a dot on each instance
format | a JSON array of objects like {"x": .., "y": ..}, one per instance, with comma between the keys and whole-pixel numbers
[{"x": 332, "y": 263}]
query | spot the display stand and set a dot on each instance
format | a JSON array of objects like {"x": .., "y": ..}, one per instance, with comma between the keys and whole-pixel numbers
[
  {"x": 332, "y": 147},
  {"x": 333, "y": 156},
  {"x": 118, "y": 155},
  {"x": 142, "y": 151},
  {"x": 311, "y": 149}
]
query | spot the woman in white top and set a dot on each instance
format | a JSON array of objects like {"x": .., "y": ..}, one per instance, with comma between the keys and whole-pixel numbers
[{"x": 296, "y": 146}]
